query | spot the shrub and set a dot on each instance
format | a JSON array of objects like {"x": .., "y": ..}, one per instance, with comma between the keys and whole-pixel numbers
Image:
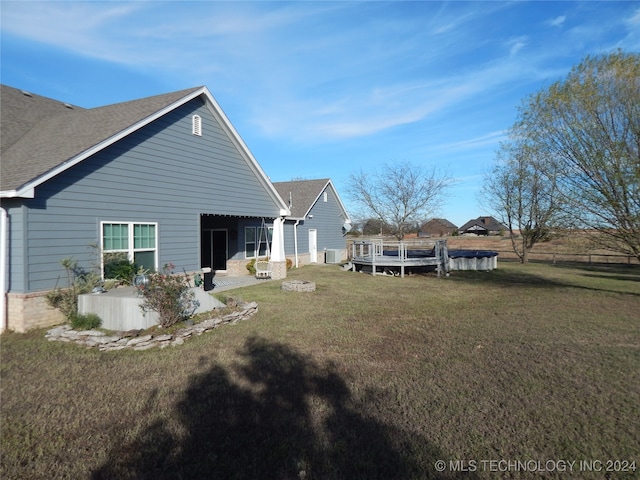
[
  {"x": 87, "y": 321},
  {"x": 251, "y": 266},
  {"x": 117, "y": 266},
  {"x": 169, "y": 296},
  {"x": 79, "y": 281}
]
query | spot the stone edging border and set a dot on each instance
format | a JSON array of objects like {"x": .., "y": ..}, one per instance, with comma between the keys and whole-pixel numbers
[{"x": 132, "y": 339}]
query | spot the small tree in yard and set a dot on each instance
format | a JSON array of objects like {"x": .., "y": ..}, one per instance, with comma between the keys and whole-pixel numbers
[
  {"x": 522, "y": 196},
  {"x": 79, "y": 281},
  {"x": 169, "y": 296}
]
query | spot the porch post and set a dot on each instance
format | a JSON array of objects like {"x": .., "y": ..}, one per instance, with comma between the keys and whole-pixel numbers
[
  {"x": 278, "y": 259},
  {"x": 277, "y": 241}
]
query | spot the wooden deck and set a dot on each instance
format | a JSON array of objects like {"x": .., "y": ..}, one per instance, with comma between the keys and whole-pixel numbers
[{"x": 399, "y": 255}]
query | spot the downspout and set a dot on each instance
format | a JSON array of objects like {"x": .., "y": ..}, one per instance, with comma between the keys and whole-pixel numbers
[
  {"x": 4, "y": 234},
  {"x": 295, "y": 241}
]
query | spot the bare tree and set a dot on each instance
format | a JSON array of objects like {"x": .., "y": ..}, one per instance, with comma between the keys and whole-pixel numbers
[
  {"x": 524, "y": 198},
  {"x": 398, "y": 195}
]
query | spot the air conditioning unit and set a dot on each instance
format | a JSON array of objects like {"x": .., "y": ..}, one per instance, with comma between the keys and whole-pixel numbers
[{"x": 333, "y": 256}]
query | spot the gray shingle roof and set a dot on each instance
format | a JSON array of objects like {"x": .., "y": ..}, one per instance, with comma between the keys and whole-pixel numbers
[
  {"x": 489, "y": 224},
  {"x": 304, "y": 193},
  {"x": 443, "y": 222},
  {"x": 39, "y": 134}
]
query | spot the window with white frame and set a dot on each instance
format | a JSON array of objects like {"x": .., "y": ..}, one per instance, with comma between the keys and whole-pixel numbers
[
  {"x": 196, "y": 125},
  {"x": 135, "y": 242},
  {"x": 257, "y": 241}
]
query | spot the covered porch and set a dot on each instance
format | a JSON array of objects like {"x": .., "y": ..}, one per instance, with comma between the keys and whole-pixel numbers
[{"x": 228, "y": 243}]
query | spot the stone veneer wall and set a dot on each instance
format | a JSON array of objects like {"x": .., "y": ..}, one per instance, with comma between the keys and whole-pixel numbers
[
  {"x": 238, "y": 268},
  {"x": 26, "y": 311}
]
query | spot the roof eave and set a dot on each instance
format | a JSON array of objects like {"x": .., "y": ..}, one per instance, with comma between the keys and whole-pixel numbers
[
  {"x": 24, "y": 192},
  {"x": 30, "y": 186}
]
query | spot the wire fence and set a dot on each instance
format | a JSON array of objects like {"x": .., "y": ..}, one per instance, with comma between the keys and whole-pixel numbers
[{"x": 588, "y": 258}]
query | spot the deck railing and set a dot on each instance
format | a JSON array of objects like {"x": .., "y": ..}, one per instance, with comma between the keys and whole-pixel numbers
[{"x": 372, "y": 252}]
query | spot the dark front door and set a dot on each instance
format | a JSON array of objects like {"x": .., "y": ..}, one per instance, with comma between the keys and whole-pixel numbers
[{"x": 214, "y": 249}]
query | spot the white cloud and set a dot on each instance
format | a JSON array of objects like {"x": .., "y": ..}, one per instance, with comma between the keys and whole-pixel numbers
[
  {"x": 309, "y": 70},
  {"x": 557, "y": 21},
  {"x": 517, "y": 44},
  {"x": 70, "y": 25},
  {"x": 491, "y": 138},
  {"x": 634, "y": 20}
]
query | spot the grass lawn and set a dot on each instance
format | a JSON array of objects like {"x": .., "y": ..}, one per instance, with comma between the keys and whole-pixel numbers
[{"x": 503, "y": 374}]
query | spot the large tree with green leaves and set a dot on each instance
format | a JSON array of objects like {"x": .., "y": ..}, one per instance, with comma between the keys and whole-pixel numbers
[
  {"x": 399, "y": 195},
  {"x": 585, "y": 132}
]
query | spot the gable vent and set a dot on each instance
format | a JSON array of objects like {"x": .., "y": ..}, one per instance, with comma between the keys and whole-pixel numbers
[{"x": 196, "y": 125}]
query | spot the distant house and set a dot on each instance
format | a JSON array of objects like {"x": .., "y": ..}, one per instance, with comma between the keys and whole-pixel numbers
[
  {"x": 164, "y": 179},
  {"x": 482, "y": 226},
  {"x": 315, "y": 231},
  {"x": 437, "y": 227}
]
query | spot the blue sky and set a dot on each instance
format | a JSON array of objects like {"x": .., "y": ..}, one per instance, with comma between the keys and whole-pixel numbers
[{"x": 323, "y": 89}]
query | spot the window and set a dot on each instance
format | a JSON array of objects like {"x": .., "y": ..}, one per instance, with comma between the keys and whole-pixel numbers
[
  {"x": 257, "y": 241},
  {"x": 324, "y": 197},
  {"x": 135, "y": 242},
  {"x": 196, "y": 125}
]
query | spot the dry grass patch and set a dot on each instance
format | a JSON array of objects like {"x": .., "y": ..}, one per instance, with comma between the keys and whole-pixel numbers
[{"x": 368, "y": 377}]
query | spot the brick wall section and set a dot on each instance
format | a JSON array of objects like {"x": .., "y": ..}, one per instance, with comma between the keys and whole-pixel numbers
[
  {"x": 238, "y": 268},
  {"x": 28, "y": 311},
  {"x": 278, "y": 270}
]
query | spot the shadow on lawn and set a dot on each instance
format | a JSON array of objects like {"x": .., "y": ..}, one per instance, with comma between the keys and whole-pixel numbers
[
  {"x": 506, "y": 278},
  {"x": 278, "y": 415},
  {"x": 521, "y": 278}
]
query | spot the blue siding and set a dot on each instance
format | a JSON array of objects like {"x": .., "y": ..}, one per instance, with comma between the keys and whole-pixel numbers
[
  {"x": 328, "y": 219},
  {"x": 160, "y": 173},
  {"x": 289, "y": 245}
]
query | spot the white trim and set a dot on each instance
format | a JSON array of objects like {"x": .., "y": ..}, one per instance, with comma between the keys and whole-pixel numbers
[
  {"x": 259, "y": 240},
  {"x": 4, "y": 234},
  {"x": 25, "y": 192},
  {"x": 130, "y": 250},
  {"x": 313, "y": 245},
  {"x": 196, "y": 125},
  {"x": 347, "y": 219}
]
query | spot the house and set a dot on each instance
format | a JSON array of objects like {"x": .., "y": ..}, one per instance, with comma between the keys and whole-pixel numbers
[
  {"x": 315, "y": 231},
  {"x": 482, "y": 226},
  {"x": 164, "y": 179},
  {"x": 437, "y": 227}
]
